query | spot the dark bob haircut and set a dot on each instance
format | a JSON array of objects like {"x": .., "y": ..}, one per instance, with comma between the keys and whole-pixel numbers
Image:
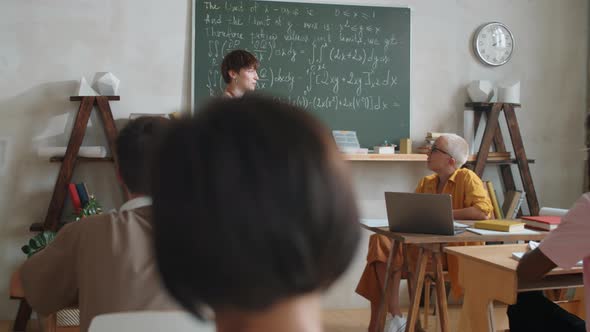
[
  {"x": 237, "y": 60},
  {"x": 252, "y": 205},
  {"x": 136, "y": 144}
]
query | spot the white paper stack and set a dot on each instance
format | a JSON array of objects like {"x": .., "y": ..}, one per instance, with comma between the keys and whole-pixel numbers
[
  {"x": 375, "y": 222},
  {"x": 59, "y": 151},
  {"x": 489, "y": 232},
  {"x": 469, "y": 130},
  {"x": 547, "y": 211},
  {"x": 384, "y": 149},
  {"x": 347, "y": 142}
]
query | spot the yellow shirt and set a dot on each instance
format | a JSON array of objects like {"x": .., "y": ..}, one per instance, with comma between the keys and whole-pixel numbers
[{"x": 465, "y": 188}]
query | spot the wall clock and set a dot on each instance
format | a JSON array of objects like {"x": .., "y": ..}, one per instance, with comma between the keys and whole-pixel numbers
[{"x": 493, "y": 44}]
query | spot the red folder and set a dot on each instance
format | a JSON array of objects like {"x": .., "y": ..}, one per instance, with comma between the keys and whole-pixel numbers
[
  {"x": 547, "y": 223},
  {"x": 75, "y": 198}
]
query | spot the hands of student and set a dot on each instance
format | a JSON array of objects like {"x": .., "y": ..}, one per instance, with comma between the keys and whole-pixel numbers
[{"x": 533, "y": 265}]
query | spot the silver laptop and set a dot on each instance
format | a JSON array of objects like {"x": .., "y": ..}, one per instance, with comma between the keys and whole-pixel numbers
[{"x": 420, "y": 213}]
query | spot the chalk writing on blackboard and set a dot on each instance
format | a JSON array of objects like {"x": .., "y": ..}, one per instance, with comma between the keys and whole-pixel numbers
[{"x": 326, "y": 58}]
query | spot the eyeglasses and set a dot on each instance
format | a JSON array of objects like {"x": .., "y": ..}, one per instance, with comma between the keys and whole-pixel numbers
[{"x": 435, "y": 148}]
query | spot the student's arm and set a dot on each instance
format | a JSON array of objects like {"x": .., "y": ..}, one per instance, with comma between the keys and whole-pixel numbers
[
  {"x": 49, "y": 277},
  {"x": 533, "y": 266},
  {"x": 563, "y": 247},
  {"x": 477, "y": 201}
]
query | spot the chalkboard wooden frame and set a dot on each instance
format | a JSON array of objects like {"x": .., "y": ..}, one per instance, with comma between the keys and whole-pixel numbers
[{"x": 380, "y": 112}]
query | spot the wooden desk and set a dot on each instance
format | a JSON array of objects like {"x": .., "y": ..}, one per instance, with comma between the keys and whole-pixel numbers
[
  {"x": 431, "y": 246},
  {"x": 488, "y": 273}
]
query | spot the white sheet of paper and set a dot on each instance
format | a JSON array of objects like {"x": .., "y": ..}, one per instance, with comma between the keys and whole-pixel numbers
[
  {"x": 375, "y": 222},
  {"x": 488, "y": 232},
  {"x": 518, "y": 256},
  {"x": 459, "y": 225}
]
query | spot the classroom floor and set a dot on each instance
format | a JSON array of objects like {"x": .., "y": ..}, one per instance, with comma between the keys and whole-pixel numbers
[{"x": 348, "y": 320}]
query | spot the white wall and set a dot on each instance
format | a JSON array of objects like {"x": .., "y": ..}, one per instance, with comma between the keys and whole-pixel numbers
[{"x": 45, "y": 47}]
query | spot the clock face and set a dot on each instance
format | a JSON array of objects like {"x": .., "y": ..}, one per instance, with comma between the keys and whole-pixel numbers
[{"x": 493, "y": 44}]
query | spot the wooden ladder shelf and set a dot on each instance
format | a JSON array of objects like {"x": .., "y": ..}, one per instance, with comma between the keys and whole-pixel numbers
[
  {"x": 66, "y": 170},
  {"x": 493, "y": 135}
]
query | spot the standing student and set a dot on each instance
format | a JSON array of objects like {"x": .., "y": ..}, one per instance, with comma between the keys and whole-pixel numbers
[
  {"x": 239, "y": 72},
  {"x": 563, "y": 247},
  {"x": 470, "y": 201},
  {"x": 105, "y": 263},
  {"x": 254, "y": 215}
]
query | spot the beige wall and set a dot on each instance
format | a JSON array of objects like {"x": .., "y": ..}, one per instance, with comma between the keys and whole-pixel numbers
[{"x": 45, "y": 47}]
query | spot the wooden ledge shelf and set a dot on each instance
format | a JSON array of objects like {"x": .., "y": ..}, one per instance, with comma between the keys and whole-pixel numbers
[
  {"x": 36, "y": 227},
  {"x": 79, "y": 98},
  {"x": 60, "y": 159},
  {"x": 418, "y": 157},
  {"x": 488, "y": 104},
  {"x": 500, "y": 162},
  {"x": 385, "y": 157}
]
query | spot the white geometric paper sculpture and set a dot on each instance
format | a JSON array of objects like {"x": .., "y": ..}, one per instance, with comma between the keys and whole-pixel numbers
[
  {"x": 480, "y": 91},
  {"x": 84, "y": 89},
  {"x": 108, "y": 85},
  {"x": 509, "y": 92}
]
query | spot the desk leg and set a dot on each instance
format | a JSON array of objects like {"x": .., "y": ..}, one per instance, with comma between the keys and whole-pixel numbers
[
  {"x": 441, "y": 294},
  {"x": 580, "y": 295},
  {"x": 477, "y": 313},
  {"x": 385, "y": 292},
  {"x": 410, "y": 274},
  {"x": 419, "y": 284},
  {"x": 483, "y": 284},
  {"x": 22, "y": 317}
]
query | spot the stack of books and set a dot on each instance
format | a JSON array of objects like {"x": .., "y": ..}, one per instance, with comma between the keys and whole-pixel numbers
[
  {"x": 78, "y": 195},
  {"x": 500, "y": 225},
  {"x": 547, "y": 223},
  {"x": 492, "y": 194},
  {"x": 513, "y": 200},
  {"x": 429, "y": 141},
  {"x": 493, "y": 156}
]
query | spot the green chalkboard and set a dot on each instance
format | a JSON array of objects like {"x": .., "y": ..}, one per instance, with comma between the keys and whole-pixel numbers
[{"x": 349, "y": 65}]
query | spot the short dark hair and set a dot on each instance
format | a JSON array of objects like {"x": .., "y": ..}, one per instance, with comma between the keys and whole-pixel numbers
[
  {"x": 252, "y": 205},
  {"x": 237, "y": 60},
  {"x": 136, "y": 144}
]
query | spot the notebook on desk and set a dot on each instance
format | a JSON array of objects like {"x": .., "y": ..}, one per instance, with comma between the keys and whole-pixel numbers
[{"x": 421, "y": 213}]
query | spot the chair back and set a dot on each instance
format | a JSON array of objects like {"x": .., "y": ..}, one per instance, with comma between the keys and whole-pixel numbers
[{"x": 149, "y": 321}]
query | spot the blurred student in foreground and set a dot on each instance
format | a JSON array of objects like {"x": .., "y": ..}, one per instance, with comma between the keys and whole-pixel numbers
[
  {"x": 239, "y": 72},
  {"x": 254, "y": 215}
]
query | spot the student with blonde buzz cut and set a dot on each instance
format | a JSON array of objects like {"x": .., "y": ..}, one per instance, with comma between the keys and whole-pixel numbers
[{"x": 470, "y": 200}]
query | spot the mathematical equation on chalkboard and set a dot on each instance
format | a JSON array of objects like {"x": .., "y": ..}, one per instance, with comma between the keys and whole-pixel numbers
[
  {"x": 335, "y": 59},
  {"x": 349, "y": 65}
]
